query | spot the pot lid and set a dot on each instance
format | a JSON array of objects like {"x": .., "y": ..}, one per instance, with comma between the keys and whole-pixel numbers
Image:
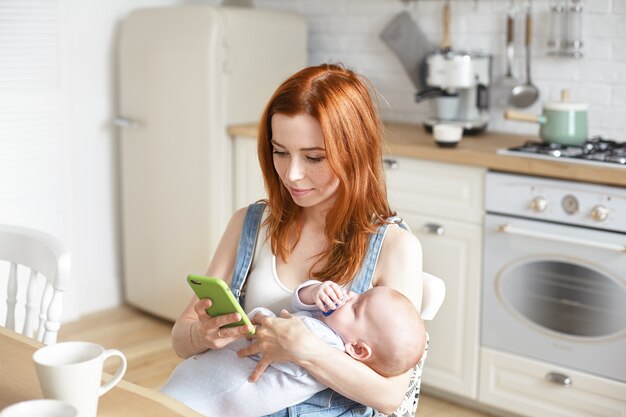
[
  {"x": 560, "y": 106},
  {"x": 565, "y": 104}
]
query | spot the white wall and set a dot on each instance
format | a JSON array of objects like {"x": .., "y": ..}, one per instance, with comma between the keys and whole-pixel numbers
[
  {"x": 91, "y": 31},
  {"x": 348, "y": 31},
  {"x": 57, "y": 148},
  {"x": 34, "y": 152}
]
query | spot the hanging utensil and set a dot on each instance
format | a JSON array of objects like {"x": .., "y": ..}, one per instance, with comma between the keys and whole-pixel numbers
[
  {"x": 409, "y": 43},
  {"x": 525, "y": 95},
  {"x": 510, "y": 51},
  {"x": 504, "y": 85},
  {"x": 446, "y": 43}
]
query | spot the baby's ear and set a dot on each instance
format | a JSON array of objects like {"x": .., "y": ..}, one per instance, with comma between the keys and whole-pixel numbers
[{"x": 359, "y": 350}]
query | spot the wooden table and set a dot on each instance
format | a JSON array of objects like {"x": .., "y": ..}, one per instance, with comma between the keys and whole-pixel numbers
[{"x": 18, "y": 382}]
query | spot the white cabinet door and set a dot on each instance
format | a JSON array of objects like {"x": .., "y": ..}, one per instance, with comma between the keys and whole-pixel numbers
[
  {"x": 454, "y": 256},
  {"x": 248, "y": 178},
  {"x": 522, "y": 385},
  {"x": 442, "y": 203}
]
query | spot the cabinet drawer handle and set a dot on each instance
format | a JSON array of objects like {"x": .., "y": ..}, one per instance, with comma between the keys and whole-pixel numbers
[
  {"x": 391, "y": 163},
  {"x": 559, "y": 379},
  {"x": 433, "y": 229},
  {"x": 126, "y": 123}
]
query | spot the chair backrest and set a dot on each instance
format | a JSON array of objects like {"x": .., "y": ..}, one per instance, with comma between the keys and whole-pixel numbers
[
  {"x": 42, "y": 263},
  {"x": 433, "y": 294}
]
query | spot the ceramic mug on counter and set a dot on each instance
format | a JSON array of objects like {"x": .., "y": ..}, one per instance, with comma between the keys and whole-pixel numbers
[
  {"x": 561, "y": 122},
  {"x": 72, "y": 372}
]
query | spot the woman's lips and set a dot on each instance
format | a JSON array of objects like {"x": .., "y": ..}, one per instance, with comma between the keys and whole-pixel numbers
[{"x": 299, "y": 192}]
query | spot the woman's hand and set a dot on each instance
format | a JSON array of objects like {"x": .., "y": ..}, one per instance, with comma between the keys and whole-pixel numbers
[
  {"x": 207, "y": 332},
  {"x": 279, "y": 339}
]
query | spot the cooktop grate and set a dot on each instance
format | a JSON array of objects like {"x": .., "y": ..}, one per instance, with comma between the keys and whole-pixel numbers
[{"x": 596, "y": 150}]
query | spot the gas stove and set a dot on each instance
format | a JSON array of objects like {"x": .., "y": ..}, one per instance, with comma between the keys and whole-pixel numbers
[{"x": 595, "y": 151}]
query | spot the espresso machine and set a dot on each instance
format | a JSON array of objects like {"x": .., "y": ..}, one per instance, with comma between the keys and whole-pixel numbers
[{"x": 457, "y": 84}]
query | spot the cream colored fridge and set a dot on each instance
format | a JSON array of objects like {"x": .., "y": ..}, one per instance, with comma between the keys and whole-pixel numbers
[{"x": 185, "y": 74}]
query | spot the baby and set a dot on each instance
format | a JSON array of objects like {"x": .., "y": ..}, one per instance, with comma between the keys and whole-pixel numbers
[{"x": 380, "y": 328}]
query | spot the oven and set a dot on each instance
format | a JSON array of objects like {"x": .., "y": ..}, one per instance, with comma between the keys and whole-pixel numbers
[{"x": 554, "y": 282}]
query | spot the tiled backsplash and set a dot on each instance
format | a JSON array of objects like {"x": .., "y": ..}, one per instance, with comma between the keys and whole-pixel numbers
[{"x": 347, "y": 31}]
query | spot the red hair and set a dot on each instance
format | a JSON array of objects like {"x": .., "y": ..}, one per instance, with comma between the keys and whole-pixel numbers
[{"x": 340, "y": 101}]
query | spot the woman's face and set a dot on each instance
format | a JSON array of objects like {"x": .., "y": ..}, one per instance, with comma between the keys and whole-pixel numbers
[{"x": 300, "y": 160}]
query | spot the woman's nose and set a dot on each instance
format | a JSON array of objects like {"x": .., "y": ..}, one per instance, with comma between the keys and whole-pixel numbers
[{"x": 295, "y": 171}]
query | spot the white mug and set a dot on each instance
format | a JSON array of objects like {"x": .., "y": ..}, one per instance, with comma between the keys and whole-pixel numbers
[
  {"x": 72, "y": 372},
  {"x": 40, "y": 408}
]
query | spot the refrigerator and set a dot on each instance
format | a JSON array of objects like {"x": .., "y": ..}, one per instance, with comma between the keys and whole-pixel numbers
[{"x": 184, "y": 75}]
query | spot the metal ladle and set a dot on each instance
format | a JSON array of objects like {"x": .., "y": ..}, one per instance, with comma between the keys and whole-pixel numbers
[{"x": 524, "y": 95}]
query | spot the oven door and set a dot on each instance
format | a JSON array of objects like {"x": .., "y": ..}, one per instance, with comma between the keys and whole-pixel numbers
[{"x": 555, "y": 293}]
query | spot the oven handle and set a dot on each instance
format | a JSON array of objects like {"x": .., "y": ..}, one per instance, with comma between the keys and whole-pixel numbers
[{"x": 510, "y": 229}]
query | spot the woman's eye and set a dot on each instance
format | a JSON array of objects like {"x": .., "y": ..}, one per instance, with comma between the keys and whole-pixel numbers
[
  {"x": 279, "y": 153},
  {"x": 315, "y": 159}
]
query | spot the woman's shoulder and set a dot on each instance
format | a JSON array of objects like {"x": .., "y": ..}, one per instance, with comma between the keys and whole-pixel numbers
[
  {"x": 234, "y": 227},
  {"x": 401, "y": 241},
  {"x": 238, "y": 218}
]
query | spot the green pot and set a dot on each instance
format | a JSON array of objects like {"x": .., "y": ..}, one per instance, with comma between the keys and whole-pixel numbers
[{"x": 564, "y": 123}]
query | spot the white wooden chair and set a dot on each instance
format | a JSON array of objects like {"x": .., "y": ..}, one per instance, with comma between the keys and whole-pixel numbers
[
  {"x": 41, "y": 262},
  {"x": 433, "y": 294}
]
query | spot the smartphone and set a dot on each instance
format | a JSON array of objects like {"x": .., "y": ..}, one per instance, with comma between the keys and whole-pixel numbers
[{"x": 224, "y": 302}]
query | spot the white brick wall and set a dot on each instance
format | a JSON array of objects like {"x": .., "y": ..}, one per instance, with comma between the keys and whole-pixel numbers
[{"x": 348, "y": 31}]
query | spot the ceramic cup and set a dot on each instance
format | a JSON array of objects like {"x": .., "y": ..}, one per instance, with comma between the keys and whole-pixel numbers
[
  {"x": 446, "y": 135},
  {"x": 40, "y": 408},
  {"x": 72, "y": 372}
]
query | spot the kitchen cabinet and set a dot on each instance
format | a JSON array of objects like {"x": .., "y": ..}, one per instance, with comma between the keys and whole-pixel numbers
[
  {"x": 247, "y": 175},
  {"x": 443, "y": 205},
  {"x": 521, "y": 385}
]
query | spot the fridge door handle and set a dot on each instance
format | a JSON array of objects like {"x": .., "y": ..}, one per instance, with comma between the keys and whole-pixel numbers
[{"x": 126, "y": 123}]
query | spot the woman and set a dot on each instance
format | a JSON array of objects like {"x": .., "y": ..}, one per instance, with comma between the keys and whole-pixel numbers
[{"x": 320, "y": 152}]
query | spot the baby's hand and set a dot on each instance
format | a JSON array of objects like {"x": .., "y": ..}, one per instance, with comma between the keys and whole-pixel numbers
[{"x": 328, "y": 296}]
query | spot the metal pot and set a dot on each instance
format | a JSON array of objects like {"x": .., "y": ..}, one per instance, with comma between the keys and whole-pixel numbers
[{"x": 561, "y": 122}]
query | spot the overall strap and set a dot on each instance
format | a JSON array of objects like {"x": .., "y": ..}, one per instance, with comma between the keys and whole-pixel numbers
[
  {"x": 245, "y": 249},
  {"x": 363, "y": 280}
]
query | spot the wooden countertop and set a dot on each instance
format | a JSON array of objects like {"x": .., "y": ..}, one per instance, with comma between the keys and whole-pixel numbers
[{"x": 413, "y": 141}]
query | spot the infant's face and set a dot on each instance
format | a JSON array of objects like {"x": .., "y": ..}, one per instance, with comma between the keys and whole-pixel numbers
[
  {"x": 356, "y": 318},
  {"x": 361, "y": 314}
]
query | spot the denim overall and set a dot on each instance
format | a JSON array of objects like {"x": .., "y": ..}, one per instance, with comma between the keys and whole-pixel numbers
[{"x": 326, "y": 403}]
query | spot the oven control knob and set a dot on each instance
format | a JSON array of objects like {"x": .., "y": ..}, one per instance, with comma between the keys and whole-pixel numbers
[
  {"x": 538, "y": 204},
  {"x": 600, "y": 213},
  {"x": 570, "y": 204}
]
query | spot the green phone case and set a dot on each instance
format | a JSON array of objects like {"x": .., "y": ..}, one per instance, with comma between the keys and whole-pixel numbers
[{"x": 224, "y": 302}]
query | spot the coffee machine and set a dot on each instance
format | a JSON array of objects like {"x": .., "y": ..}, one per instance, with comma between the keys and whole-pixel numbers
[{"x": 457, "y": 84}]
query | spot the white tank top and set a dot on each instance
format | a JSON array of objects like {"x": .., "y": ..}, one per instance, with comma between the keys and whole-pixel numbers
[{"x": 263, "y": 287}]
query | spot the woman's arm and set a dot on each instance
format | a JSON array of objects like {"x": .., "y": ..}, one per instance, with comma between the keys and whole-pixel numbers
[
  {"x": 287, "y": 339},
  {"x": 195, "y": 331},
  {"x": 400, "y": 264}
]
